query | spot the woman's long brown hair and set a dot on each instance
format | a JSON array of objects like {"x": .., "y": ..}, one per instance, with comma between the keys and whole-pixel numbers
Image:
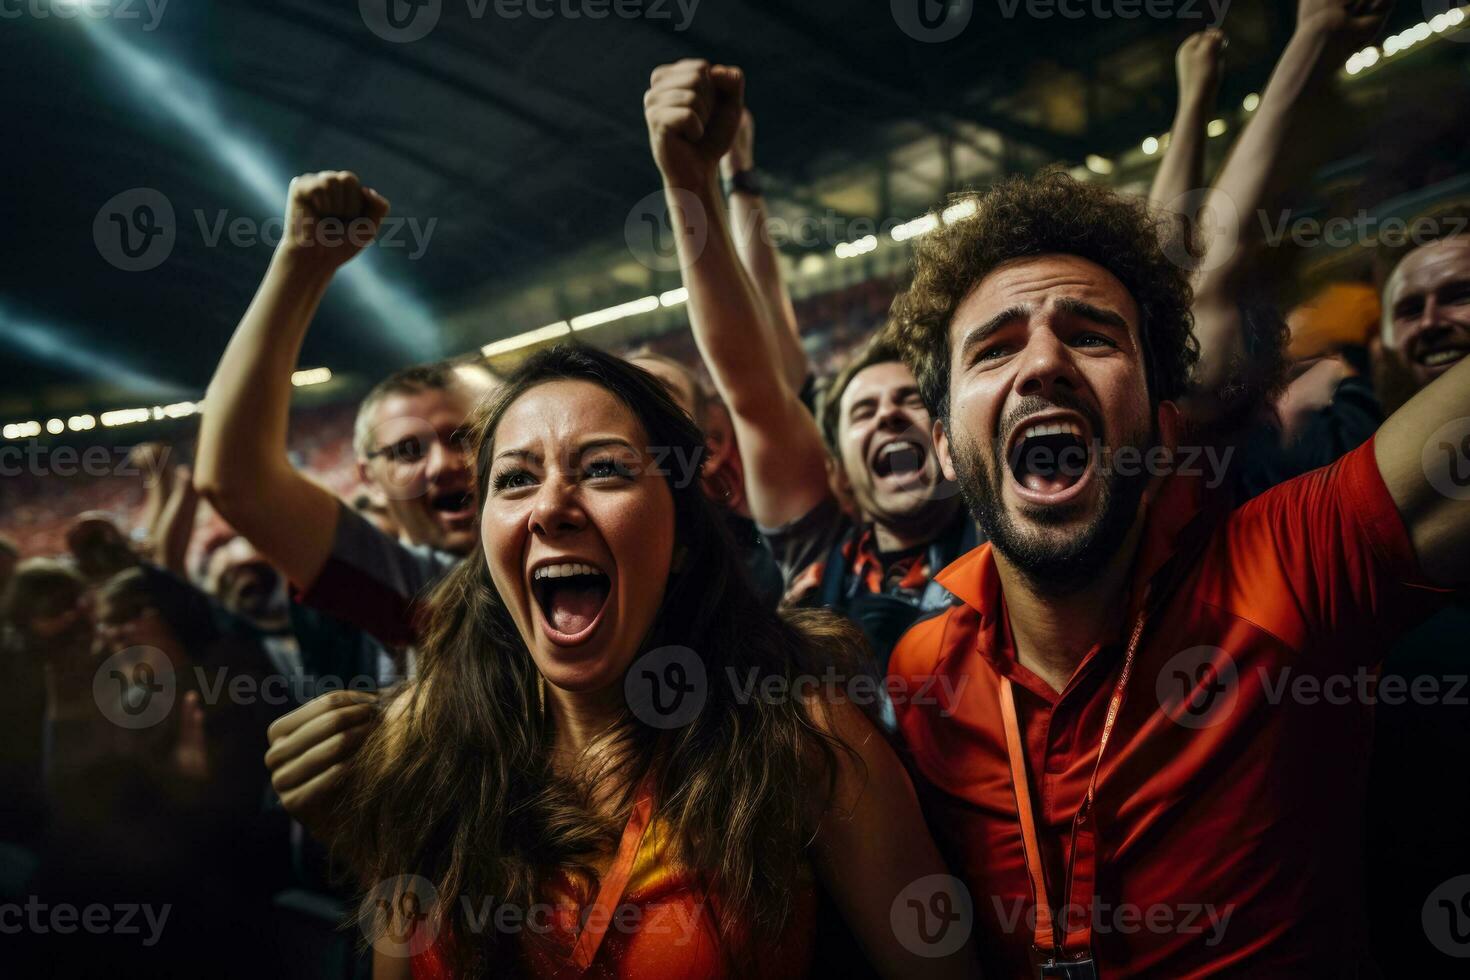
[{"x": 461, "y": 789}]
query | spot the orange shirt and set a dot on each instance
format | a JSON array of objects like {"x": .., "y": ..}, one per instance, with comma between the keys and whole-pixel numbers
[
  {"x": 662, "y": 927},
  {"x": 1230, "y": 801}
]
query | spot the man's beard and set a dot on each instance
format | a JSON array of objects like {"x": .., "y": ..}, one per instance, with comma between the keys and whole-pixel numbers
[{"x": 1062, "y": 564}]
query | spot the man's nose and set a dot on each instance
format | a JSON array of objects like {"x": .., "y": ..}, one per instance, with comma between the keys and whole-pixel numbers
[{"x": 1045, "y": 364}]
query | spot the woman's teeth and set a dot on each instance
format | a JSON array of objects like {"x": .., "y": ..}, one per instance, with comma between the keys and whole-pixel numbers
[{"x": 565, "y": 569}]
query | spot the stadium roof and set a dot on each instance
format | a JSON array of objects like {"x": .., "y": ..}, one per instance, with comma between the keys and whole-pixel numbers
[{"x": 511, "y": 144}]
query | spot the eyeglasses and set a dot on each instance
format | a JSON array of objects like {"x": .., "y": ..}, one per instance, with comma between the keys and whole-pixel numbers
[{"x": 409, "y": 453}]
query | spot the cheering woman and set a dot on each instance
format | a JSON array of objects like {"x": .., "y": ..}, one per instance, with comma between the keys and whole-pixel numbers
[{"x": 536, "y": 805}]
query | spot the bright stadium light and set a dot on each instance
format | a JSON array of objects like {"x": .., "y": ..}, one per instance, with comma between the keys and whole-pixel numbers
[
  {"x": 646, "y": 304},
  {"x": 311, "y": 376},
  {"x": 560, "y": 328}
]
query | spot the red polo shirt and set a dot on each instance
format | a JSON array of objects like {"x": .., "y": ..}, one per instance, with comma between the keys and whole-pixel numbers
[{"x": 1229, "y": 805}]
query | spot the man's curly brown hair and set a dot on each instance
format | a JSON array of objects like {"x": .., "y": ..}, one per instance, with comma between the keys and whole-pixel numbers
[{"x": 1050, "y": 213}]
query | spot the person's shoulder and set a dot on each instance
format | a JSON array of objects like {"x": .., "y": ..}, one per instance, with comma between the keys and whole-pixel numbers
[
  {"x": 1352, "y": 477},
  {"x": 922, "y": 647},
  {"x": 826, "y": 519}
]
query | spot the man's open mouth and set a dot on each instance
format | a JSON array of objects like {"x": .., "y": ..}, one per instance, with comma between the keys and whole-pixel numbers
[
  {"x": 454, "y": 505},
  {"x": 1049, "y": 460},
  {"x": 902, "y": 458},
  {"x": 1440, "y": 355},
  {"x": 571, "y": 596}
]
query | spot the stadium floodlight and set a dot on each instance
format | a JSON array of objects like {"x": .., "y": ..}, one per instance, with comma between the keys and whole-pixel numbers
[
  {"x": 53, "y": 343},
  {"x": 402, "y": 318}
]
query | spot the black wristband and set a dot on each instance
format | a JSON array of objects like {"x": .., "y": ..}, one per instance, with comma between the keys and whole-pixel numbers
[{"x": 743, "y": 181}]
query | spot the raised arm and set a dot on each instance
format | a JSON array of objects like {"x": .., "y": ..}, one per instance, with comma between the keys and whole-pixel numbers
[
  {"x": 151, "y": 458},
  {"x": 241, "y": 466},
  {"x": 1267, "y": 158},
  {"x": 1423, "y": 453},
  {"x": 693, "y": 111},
  {"x": 758, "y": 253},
  {"x": 1182, "y": 169},
  {"x": 175, "y": 526}
]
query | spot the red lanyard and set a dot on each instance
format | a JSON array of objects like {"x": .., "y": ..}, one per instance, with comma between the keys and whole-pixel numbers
[
  {"x": 1082, "y": 856},
  {"x": 599, "y": 915}
]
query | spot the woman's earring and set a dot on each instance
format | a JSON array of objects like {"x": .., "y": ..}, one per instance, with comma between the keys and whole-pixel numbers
[{"x": 541, "y": 693}]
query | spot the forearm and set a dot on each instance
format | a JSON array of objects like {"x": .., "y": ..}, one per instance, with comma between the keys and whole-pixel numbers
[
  {"x": 247, "y": 409},
  {"x": 175, "y": 528},
  {"x": 785, "y": 472},
  {"x": 726, "y": 315},
  {"x": 1183, "y": 167},
  {"x": 758, "y": 255},
  {"x": 1264, "y": 160},
  {"x": 242, "y": 467},
  {"x": 157, "y": 492}
]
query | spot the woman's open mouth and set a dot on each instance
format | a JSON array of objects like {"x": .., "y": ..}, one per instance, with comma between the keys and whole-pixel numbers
[
  {"x": 1050, "y": 461},
  {"x": 571, "y": 597}
]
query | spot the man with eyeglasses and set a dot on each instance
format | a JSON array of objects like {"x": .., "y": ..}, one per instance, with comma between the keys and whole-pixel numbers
[{"x": 408, "y": 437}]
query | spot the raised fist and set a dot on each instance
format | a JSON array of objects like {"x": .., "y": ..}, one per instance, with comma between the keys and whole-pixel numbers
[
  {"x": 330, "y": 217},
  {"x": 1350, "y": 23},
  {"x": 1198, "y": 62},
  {"x": 693, "y": 110}
]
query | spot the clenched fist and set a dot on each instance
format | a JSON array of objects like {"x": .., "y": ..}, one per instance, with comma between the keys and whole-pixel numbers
[
  {"x": 330, "y": 217},
  {"x": 310, "y": 749},
  {"x": 693, "y": 111},
  {"x": 1198, "y": 63},
  {"x": 1349, "y": 24}
]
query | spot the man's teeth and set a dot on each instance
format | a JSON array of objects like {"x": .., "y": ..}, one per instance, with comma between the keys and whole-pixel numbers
[
  {"x": 902, "y": 445},
  {"x": 564, "y": 570},
  {"x": 1439, "y": 357},
  {"x": 1052, "y": 429}
]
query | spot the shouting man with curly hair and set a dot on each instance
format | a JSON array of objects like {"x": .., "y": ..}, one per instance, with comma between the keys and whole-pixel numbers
[{"x": 1142, "y": 771}]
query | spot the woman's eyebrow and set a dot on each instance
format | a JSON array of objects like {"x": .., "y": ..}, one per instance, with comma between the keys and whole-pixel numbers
[{"x": 600, "y": 442}]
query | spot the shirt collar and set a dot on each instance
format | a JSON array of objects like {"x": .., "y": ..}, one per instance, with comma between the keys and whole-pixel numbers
[{"x": 975, "y": 581}]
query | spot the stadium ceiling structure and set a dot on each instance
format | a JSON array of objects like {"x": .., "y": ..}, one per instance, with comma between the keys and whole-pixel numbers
[{"x": 513, "y": 148}]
